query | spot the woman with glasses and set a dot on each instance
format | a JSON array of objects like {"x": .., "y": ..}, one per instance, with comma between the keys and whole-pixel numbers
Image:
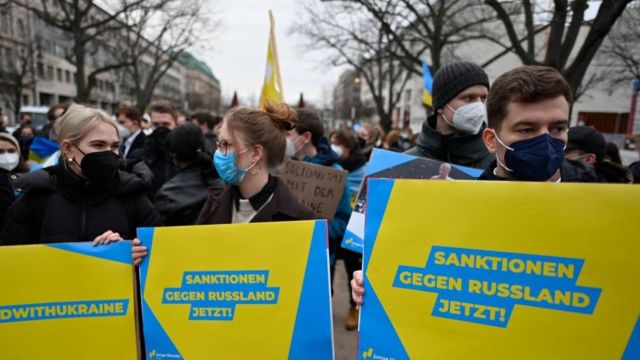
[
  {"x": 85, "y": 197},
  {"x": 251, "y": 143}
]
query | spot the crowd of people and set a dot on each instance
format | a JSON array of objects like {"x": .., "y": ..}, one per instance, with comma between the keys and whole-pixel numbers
[{"x": 117, "y": 173}]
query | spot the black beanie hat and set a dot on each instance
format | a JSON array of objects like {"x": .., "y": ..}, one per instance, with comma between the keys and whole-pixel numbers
[
  {"x": 185, "y": 142},
  {"x": 452, "y": 79}
]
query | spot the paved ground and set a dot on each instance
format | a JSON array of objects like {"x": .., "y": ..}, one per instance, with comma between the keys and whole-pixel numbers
[{"x": 346, "y": 342}]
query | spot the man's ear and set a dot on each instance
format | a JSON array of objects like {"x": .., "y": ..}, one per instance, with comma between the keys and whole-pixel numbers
[
  {"x": 307, "y": 137},
  {"x": 490, "y": 141},
  {"x": 590, "y": 159}
]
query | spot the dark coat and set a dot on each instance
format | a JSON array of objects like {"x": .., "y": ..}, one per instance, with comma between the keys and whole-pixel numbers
[
  {"x": 7, "y": 196},
  {"x": 570, "y": 171},
  {"x": 135, "y": 151},
  {"x": 59, "y": 206},
  {"x": 465, "y": 150},
  {"x": 156, "y": 156},
  {"x": 282, "y": 207},
  {"x": 180, "y": 199}
]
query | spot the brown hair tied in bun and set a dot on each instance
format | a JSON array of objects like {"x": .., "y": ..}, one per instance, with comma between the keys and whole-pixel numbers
[
  {"x": 267, "y": 128},
  {"x": 282, "y": 115}
]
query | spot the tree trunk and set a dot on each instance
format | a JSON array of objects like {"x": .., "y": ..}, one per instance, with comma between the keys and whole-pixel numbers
[{"x": 82, "y": 91}]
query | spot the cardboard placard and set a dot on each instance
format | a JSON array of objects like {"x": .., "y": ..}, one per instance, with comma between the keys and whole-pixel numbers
[
  {"x": 318, "y": 187},
  {"x": 67, "y": 301},
  {"x": 474, "y": 269},
  {"x": 239, "y": 291}
]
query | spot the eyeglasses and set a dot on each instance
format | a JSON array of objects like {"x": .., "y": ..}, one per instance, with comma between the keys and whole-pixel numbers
[{"x": 224, "y": 145}]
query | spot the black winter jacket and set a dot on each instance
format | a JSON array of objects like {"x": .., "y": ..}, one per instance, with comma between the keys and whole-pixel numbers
[
  {"x": 180, "y": 199},
  {"x": 465, "y": 150},
  {"x": 59, "y": 206}
]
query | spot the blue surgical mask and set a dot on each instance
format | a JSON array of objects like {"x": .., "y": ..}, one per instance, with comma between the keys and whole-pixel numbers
[
  {"x": 535, "y": 159},
  {"x": 227, "y": 167}
]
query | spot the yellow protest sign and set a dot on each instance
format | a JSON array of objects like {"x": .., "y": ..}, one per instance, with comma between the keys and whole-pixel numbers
[
  {"x": 67, "y": 301},
  {"x": 241, "y": 291},
  {"x": 462, "y": 269}
]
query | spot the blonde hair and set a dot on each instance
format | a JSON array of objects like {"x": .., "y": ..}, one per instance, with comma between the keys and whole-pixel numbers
[{"x": 79, "y": 120}]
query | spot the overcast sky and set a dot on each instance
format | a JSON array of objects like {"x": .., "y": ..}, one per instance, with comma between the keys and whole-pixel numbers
[{"x": 240, "y": 53}]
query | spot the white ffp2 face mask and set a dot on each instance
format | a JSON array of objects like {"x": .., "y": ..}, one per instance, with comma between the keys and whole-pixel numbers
[
  {"x": 468, "y": 118},
  {"x": 337, "y": 149},
  {"x": 9, "y": 161}
]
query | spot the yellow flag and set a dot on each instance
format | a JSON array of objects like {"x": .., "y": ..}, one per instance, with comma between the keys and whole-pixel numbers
[{"x": 272, "y": 87}]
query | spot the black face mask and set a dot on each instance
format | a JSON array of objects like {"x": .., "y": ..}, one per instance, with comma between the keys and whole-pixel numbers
[
  {"x": 100, "y": 166},
  {"x": 160, "y": 136}
]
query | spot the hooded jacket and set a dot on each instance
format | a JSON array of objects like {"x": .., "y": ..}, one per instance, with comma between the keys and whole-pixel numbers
[
  {"x": 465, "y": 150},
  {"x": 59, "y": 206}
]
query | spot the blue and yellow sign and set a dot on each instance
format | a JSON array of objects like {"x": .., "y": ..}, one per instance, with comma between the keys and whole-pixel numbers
[
  {"x": 464, "y": 269},
  {"x": 242, "y": 291},
  {"x": 67, "y": 301}
]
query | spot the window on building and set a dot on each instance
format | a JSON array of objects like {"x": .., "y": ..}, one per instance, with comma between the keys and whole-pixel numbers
[
  {"x": 40, "y": 70},
  {"x": 74, "y": 77},
  {"x": 8, "y": 58},
  {"x": 20, "y": 29},
  {"x": 59, "y": 71},
  {"x": 4, "y": 22},
  {"x": 49, "y": 72},
  {"x": 67, "y": 76}
]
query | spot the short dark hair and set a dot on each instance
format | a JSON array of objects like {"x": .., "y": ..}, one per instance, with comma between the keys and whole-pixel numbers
[
  {"x": 204, "y": 118},
  {"x": 309, "y": 120},
  {"x": 524, "y": 84},
  {"x": 131, "y": 112},
  {"x": 164, "y": 107},
  {"x": 346, "y": 138}
]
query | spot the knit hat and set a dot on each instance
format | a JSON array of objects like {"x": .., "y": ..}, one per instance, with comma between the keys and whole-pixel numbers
[
  {"x": 587, "y": 139},
  {"x": 452, "y": 79},
  {"x": 11, "y": 139}
]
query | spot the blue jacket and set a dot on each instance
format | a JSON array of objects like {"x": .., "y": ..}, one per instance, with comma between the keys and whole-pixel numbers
[{"x": 338, "y": 225}]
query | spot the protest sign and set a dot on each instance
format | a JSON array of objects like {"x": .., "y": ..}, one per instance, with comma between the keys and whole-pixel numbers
[
  {"x": 67, "y": 301},
  {"x": 318, "y": 187},
  {"x": 241, "y": 291},
  {"x": 500, "y": 270},
  {"x": 393, "y": 165}
]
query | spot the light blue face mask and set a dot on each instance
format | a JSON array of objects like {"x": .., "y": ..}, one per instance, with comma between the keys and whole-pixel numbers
[{"x": 227, "y": 167}]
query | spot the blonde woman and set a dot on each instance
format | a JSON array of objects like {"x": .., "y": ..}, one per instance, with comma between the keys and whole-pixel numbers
[{"x": 83, "y": 198}]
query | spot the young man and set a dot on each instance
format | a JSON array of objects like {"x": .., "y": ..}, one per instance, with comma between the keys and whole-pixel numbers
[
  {"x": 528, "y": 110},
  {"x": 131, "y": 118},
  {"x": 454, "y": 132},
  {"x": 307, "y": 143},
  {"x": 163, "y": 119},
  {"x": 589, "y": 146}
]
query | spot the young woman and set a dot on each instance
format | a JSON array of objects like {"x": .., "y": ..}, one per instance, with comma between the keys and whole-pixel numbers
[
  {"x": 83, "y": 198},
  {"x": 252, "y": 141}
]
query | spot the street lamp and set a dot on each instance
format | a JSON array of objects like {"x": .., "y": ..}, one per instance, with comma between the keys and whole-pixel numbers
[{"x": 635, "y": 88}]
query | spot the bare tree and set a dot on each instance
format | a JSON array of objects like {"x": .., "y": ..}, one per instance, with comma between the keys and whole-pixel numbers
[
  {"x": 17, "y": 70},
  {"x": 619, "y": 58},
  {"x": 357, "y": 40},
  {"x": 157, "y": 37},
  {"x": 89, "y": 27},
  {"x": 428, "y": 27},
  {"x": 563, "y": 22}
]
